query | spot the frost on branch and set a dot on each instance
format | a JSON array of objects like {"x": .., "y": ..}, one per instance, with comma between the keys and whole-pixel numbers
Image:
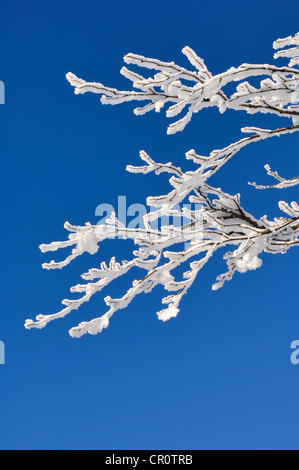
[
  {"x": 283, "y": 183},
  {"x": 286, "y": 51},
  {"x": 189, "y": 91},
  {"x": 219, "y": 221}
]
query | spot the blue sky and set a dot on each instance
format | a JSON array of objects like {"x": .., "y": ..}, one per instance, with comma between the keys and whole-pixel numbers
[{"x": 217, "y": 377}]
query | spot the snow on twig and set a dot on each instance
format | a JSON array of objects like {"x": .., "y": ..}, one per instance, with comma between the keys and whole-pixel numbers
[{"x": 219, "y": 221}]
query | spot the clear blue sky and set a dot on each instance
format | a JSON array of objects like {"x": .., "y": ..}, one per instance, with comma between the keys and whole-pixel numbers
[{"x": 217, "y": 377}]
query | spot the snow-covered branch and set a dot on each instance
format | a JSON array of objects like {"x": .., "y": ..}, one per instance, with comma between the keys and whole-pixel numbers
[
  {"x": 283, "y": 183},
  {"x": 198, "y": 89},
  {"x": 216, "y": 220}
]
